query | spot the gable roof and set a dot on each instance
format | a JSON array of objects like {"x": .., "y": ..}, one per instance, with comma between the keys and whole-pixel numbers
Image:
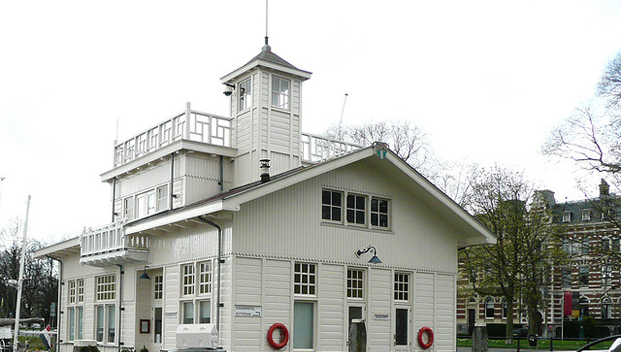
[{"x": 470, "y": 229}]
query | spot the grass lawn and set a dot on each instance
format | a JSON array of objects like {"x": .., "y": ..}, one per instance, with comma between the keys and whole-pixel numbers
[{"x": 542, "y": 344}]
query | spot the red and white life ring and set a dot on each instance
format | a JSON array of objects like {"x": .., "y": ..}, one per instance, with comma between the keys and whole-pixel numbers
[
  {"x": 425, "y": 330},
  {"x": 284, "y": 336}
]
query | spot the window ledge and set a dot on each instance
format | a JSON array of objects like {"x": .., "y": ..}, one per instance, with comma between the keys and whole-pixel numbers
[{"x": 357, "y": 228}]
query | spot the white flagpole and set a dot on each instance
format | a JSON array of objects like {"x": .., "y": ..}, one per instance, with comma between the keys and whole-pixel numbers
[{"x": 20, "y": 281}]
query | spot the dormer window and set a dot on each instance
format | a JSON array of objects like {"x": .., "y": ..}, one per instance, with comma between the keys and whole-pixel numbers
[
  {"x": 280, "y": 92},
  {"x": 586, "y": 215},
  {"x": 567, "y": 216},
  {"x": 245, "y": 95}
]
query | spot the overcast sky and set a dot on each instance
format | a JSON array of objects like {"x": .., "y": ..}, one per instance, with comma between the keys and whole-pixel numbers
[{"x": 487, "y": 81}]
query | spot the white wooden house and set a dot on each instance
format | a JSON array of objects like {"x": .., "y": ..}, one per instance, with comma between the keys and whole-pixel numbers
[{"x": 200, "y": 233}]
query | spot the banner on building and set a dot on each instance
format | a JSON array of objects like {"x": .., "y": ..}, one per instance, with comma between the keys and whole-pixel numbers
[{"x": 567, "y": 306}]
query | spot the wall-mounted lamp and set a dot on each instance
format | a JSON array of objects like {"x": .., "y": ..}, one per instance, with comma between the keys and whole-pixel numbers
[
  {"x": 374, "y": 259},
  {"x": 144, "y": 275}
]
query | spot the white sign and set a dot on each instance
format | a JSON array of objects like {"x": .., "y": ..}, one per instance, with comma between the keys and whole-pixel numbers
[
  {"x": 170, "y": 314},
  {"x": 247, "y": 311},
  {"x": 380, "y": 316}
]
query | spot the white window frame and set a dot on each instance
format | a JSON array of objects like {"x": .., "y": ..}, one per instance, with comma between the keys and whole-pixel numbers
[
  {"x": 488, "y": 309},
  {"x": 344, "y": 209},
  {"x": 566, "y": 216},
  {"x": 356, "y": 292},
  {"x": 245, "y": 94},
  {"x": 105, "y": 288},
  {"x": 71, "y": 295},
  {"x": 205, "y": 276},
  {"x": 196, "y": 289},
  {"x": 586, "y": 215},
  {"x": 149, "y": 202},
  {"x": 106, "y": 331},
  {"x": 79, "y": 283},
  {"x": 305, "y": 279},
  {"x": 75, "y": 310},
  {"x": 158, "y": 287},
  {"x": 401, "y": 287},
  {"x": 282, "y": 96}
]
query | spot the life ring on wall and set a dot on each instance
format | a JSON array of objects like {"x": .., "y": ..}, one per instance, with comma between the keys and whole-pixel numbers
[
  {"x": 425, "y": 330},
  {"x": 284, "y": 336}
]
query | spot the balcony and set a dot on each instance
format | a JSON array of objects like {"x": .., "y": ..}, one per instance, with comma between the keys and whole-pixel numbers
[
  {"x": 215, "y": 130},
  {"x": 108, "y": 245}
]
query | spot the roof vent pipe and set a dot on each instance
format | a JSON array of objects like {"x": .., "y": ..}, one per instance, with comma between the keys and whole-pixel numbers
[{"x": 265, "y": 170}]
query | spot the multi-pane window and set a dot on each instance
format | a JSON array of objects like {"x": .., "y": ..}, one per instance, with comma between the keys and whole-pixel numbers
[
  {"x": 204, "y": 277},
  {"x": 566, "y": 216},
  {"x": 356, "y": 209},
  {"x": 606, "y": 275},
  {"x": 280, "y": 92},
  {"x": 188, "y": 279},
  {"x": 129, "y": 208},
  {"x": 161, "y": 194},
  {"x": 106, "y": 288},
  {"x": 586, "y": 215},
  {"x": 402, "y": 287},
  {"x": 585, "y": 245},
  {"x": 305, "y": 279},
  {"x": 158, "y": 287},
  {"x": 566, "y": 277},
  {"x": 379, "y": 212},
  {"x": 146, "y": 203},
  {"x": 80, "y": 290},
  {"x": 489, "y": 307},
  {"x": 245, "y": 95},
  {"x": 331, "y": 205},
  {"x": 606, "y": 308},
  {"x": 72, "y": 291},
  {"x": 355, "y": 283},
  {"x": 583, "y": 277}
]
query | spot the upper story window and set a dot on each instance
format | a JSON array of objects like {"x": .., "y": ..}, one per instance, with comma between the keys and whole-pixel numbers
[
  {"x": 489, "y": 307},
  {"x": 204, "y": 277},
  {"x": 106, "y": 288},
  {"x": 586, "y": 215},
  {"x": 355, "y": 283},
  {"x": 245, "y": 95},
  {"x": 606, "y": 275},
  {"x": 356, "y": 209},
  {"x": 305, "y": 279},
  {"x": 72, "y": 291},
  {"x": 379, "y": 212},
  {"x": 566, "y": 216},
  {"x": 585, "y": 245},
  {"x": 158, "y": 287},
  {"x": 187, "y": 274},
  {"x": 331, "y": 205},
  {"x": 280, "y": 92},
  {"x": 583, "y": 277},
  {"x": 566, "y": 277},
  {"x": 80, "y": 290},
  {"x": 146, "y": 203}
]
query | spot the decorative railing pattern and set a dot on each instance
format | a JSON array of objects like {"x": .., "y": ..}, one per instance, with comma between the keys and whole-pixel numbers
[
  {"x": 191, "y": 125},
  {"x": 316, "y": 148},
  {"x": 110, "y": 237},
  {"x": 213, "y": 129}
]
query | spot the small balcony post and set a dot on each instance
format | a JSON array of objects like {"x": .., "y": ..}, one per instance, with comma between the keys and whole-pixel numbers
[{"x": 186, "y": 132}]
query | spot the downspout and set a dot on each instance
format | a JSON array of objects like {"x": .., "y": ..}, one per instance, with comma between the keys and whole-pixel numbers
[
  {"x": 172, "y": 180},
  {"x": 113, "y": 197},
  {"x": 60, "y": 296},
  {"x": 221, "y": 173},
  {"x": 219, "y": 271},
  {"x": 121, "y": 308}
]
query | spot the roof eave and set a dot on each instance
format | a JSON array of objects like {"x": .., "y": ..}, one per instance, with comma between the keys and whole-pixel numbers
[{"x": 258, "y": 62}]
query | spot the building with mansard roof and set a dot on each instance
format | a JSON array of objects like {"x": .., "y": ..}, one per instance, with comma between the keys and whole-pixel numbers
[{"x": 243, "y": 222}]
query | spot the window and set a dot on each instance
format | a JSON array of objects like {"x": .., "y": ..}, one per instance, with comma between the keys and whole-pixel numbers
[
  {"x": 401, "y": 327},
  {"x": 79, "y": 316},
  {"x": 304, "y": 279},
  {"x": 606, "y": 275},
  {"x": 605, "y": 244},
  {"x": 566, "y": 216},
  {"x": 566, "y": 246},
  {"x": 355, "y": 283},
  {"x": 80, "y": 290},
  {"x": 489, "y": 307},
  {"x": 196, "y": 288},
  {"x": 71, "y": 323},
  {"x": 379, "y": 212},
  {"x": 504, "y": 308},
  {"x": 566, "y": 277},
  {"x": 606, "y": 308},
  {"x": 303, "y": 325},
  {"x": 162, "y": 197},
  {"x": 331, "y": 205},
  {"x": 586, "y": 215},
  {"x": 204, "y": 277},
  {"x": 402, "y": 287},
  {"x": 158, "y": 287},
  {"x": 129, "y": 208},
  {"x": 585, "y": 245},
  {"x": 188, "y": 279},
  {"x": 157, "y": 325},
  {"x": 106, "y": 288},
  {"x": 583, "y": 277},
  {"x": 584, "y": 306},
  {"x": 356, "y": 209},
  {"x": 245, "y": 95},
  {"x": 105, "y": 323},
  {"x": 280, "y": 92},
  {"x": 615, "y": 244},
  {"x": 72, "y": 291}
]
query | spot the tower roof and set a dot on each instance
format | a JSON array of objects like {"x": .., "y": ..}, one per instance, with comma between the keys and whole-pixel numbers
[{"x": 267, "y": 58}]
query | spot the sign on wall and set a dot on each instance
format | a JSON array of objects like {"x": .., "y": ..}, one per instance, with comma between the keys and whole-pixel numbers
[{"x": 247, "y": 311}]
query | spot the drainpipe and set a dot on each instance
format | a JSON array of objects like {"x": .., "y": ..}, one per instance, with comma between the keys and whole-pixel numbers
[
  {"x": 172, "y": 180},
  {"x": 60, "y": 296},
  {"x": 113, "y": 196},
  {"x": 121, "y": 308},
  {"x": 221, "y": 173},
  {"x": 219, "y": 269}
]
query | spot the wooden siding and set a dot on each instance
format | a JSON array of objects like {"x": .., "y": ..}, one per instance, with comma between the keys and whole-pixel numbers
[
  {"x": 380, "y": 298},
  {"x": 332, "y": 313},
  {"x": 291, "y": 218},
  {"x": 171, "y": 305},
  {"x": 445, "y": 324},
  {"x": 424, "y": 301}
]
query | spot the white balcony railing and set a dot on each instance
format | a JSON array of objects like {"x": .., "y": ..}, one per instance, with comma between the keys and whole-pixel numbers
[
  {"x": 213, "y": 129},
  {"x": 110, "y": 238}
]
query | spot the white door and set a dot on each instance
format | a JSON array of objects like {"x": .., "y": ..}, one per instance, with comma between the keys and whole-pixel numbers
[{"x": 402, "y": 337}]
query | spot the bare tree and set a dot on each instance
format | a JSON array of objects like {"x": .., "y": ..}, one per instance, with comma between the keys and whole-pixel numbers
[{"x": 610, "y": 84}]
